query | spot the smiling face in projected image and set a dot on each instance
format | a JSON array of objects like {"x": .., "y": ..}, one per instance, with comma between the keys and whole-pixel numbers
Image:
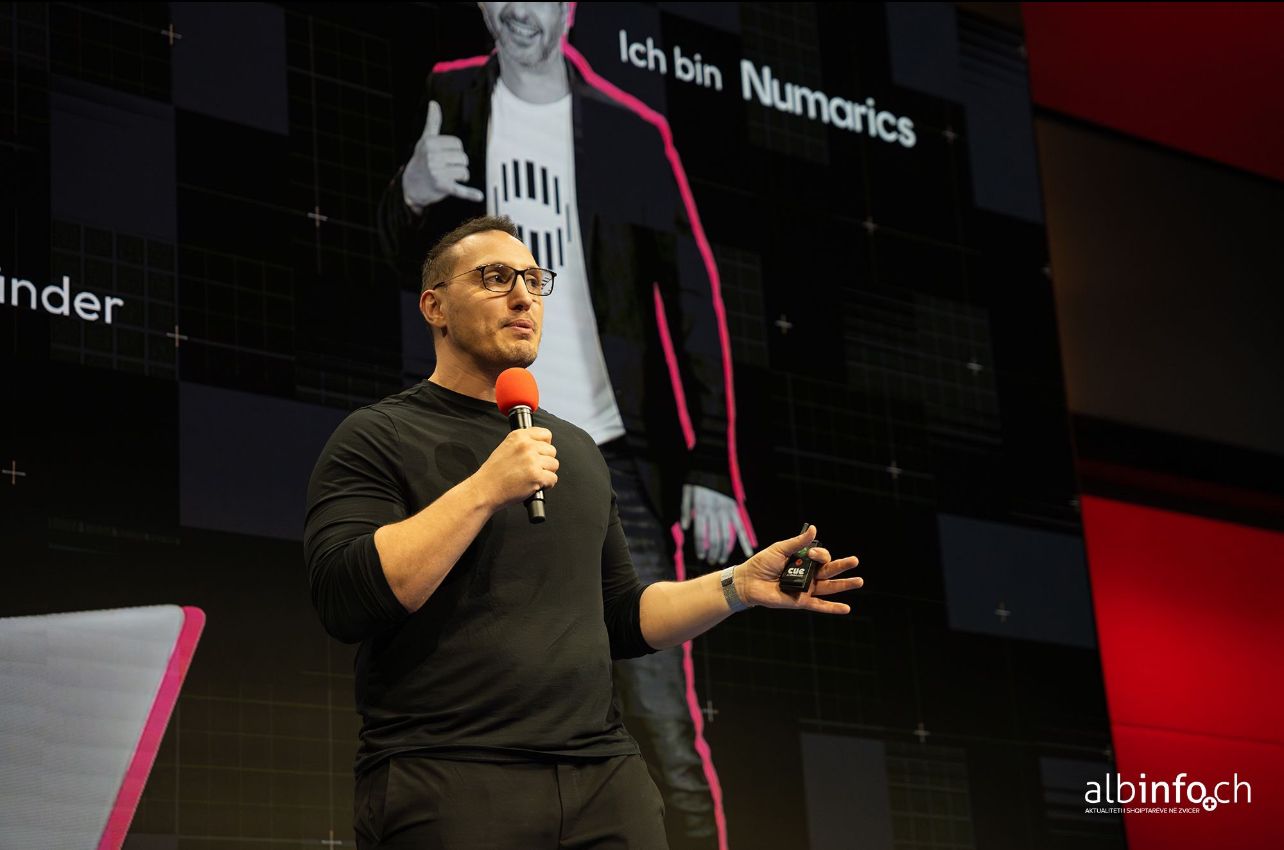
[
  {"x": 526, "y": 34},
  {"x": 485, "y": 332}
]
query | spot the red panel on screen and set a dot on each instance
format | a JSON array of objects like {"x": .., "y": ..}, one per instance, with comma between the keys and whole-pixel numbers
[
  {"x": 1256, "y": 825},
  {"x": 1188, "y": 611},
  {"x": 1201, "y": 77},
  {"x": 1192, "y": 650}
]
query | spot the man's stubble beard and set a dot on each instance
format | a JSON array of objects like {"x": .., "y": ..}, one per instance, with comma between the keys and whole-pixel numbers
[
  {"x": 542, "y": 61},
  {"x": 545, "y": 49},
  {"x": 497, "y": 355}
]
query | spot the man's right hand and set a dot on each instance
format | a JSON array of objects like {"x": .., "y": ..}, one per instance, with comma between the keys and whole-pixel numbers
[
  {"x": 437, "y": 168},
  {"x": 524, "y": 462}
]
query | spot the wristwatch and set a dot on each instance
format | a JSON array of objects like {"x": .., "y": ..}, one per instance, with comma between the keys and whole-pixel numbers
[{"x": 729, "y": 590}]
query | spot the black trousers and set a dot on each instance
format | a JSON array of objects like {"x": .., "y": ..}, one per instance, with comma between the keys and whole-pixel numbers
[{"x": 419, "y": 803}]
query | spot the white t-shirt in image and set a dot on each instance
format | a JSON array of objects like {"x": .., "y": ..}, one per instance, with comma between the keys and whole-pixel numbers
[{"x": 530, "y": 177}]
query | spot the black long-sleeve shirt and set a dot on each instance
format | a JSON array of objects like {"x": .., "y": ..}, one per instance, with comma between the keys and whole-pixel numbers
[{"x": 510, "y": 658}]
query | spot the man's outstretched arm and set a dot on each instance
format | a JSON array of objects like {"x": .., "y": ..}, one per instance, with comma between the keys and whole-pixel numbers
[{"x": 672, "y": 612}]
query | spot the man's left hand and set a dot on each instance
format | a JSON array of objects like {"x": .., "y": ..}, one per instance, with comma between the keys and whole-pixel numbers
[
  {"x": 717, "y": 523},
  {"x": 757, "y": 580}
]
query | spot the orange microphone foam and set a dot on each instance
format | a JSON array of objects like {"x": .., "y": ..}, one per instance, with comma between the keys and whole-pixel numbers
[{"x": 515, "y": 387}]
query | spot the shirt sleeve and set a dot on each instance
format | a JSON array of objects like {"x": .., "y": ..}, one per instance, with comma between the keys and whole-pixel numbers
[
  {"x": 688, "y": 294},
  {"x": 621, "y": 593},
  {"x": 355, "y": 489}
]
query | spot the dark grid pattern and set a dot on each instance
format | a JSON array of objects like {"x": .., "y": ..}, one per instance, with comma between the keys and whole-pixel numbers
[
  {"x": 138, "y": 270},
  {"x": 756, "y": 660},
  {"x": 237, "y": 316},
  {"x": 930, "y": 802},
  {"x": 1064, "y": 784},
  {"x": 341, "y": 156},
  {"x": 851, "y": 441},
  {"x": 957, "y": 381},
  {"x": 121, "y": 45},
  {"x": 879, "y": 333},
  {"x": 343, "y": 382},
  {"x": 784, "y": 36},
  {"x": 846, "y": 664},
  {"x": 24, "y": 58},
  {"x": 341, "y": 133},
  {"x": 821, "y": 667},
  {"x": 929, "y": 352},
  {"x": 740, "y": 273},
  {"x": 272, "y": 768}
]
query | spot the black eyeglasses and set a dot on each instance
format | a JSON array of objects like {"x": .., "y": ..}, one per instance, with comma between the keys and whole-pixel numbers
[{"x": 498, "y": 277}]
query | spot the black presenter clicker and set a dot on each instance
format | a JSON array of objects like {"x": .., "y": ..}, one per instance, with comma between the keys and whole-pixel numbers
[{"x": 799, "y": 570}]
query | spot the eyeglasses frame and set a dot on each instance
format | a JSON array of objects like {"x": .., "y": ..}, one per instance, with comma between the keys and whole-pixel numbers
[{"x": 513, "y": 282}]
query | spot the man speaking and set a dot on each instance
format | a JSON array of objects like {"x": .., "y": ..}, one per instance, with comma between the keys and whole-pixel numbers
[
  {"x": 484, "y": 673},
  {"x": 632, "y": 346}
]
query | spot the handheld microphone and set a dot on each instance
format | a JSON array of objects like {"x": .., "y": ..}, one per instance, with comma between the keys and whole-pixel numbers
[{"x": 517, "y": 397}]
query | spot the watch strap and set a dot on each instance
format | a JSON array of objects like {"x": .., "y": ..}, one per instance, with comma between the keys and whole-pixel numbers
[{"x": 734, "y": 602}]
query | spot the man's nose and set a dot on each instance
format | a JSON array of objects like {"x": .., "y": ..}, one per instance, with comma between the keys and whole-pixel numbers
[
  {"x": 519, "y": 297},
  {"x": 518, "y": 11}
]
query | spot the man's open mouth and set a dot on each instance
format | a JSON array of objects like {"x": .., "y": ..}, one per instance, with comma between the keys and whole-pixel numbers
[{"x": 525, "y": 31}]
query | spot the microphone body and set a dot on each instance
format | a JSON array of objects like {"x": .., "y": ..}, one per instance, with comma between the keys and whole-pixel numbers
[{"x": 519, "y": 416}]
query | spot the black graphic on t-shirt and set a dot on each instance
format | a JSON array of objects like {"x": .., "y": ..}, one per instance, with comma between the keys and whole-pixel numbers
[{"x": 528, "y": 180}]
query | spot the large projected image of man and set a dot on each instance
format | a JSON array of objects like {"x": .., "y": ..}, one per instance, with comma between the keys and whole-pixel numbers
[
  {"x": 484, "y": 673},
  {"x": 633, "y": 350}
]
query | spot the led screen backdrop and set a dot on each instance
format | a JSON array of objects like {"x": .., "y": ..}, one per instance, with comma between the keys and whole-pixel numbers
[{"x": 828, "y": 220}]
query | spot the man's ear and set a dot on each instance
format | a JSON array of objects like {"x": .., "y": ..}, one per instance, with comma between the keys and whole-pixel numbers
[{"x": 433, "y": 309}]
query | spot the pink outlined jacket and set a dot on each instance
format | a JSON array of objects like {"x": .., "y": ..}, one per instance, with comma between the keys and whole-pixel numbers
[{"x": 649, "y": 272}]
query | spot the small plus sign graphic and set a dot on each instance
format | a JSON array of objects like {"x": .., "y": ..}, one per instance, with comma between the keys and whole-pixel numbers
[
  {"x": 894, "y": 470},
  {"x": 13, "y": 473},
  {"x": 316, "y": 216},
  {"x": 1002, "y": 612},
  {"x": 974, "y": 367},
  {"x": 869, "y": 224},
  {"x": 783, "y": 323},
  {"x": 176, "y": 336},
  {"x": 950, "y": 135},
  {"x": 709, "y": 711},
  {"x": 171, "y": 34},
  {"x": 331, "y": 841},
  {"x": 921, "y": 733}
]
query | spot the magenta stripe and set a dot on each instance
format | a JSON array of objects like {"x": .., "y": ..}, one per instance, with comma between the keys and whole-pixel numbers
[
  {"x": 706, "y": 253},
  {"x": 675, "y": 377},
  {"x": 693, "y": 706},
  {"x": 140, "y": 766},
  {"x": 457, "y": 64}
]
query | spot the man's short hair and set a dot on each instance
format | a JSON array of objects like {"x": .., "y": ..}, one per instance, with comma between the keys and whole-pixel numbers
[{"x": 437, "y": 264}]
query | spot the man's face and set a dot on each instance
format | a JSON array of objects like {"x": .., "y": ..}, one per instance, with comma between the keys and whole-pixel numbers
[
  {"x": 493, "y": 329},
  {"x": 526, "y": 33}
]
